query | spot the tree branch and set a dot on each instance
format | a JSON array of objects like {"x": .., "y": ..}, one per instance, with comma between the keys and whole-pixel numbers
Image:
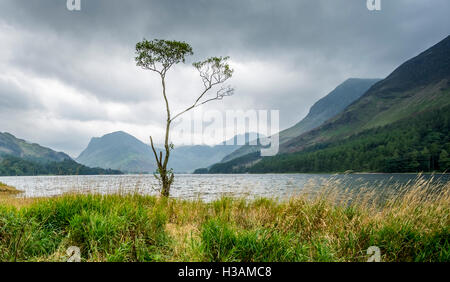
[
  {"x": 154, "y": 152},
  {"x": 213, "y": 71}
]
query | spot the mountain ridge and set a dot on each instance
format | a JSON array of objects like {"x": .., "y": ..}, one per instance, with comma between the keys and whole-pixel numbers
[
  {"x": 326, "y": 107},
  {"x": 389, "y": 100},
  {"x": 420, "y": 87},
  {"x": 10, "y": 145}
]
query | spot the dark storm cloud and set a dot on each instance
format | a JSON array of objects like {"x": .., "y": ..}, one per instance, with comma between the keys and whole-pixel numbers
[
  {"x": 288, "y": 53},
  {"x": 261, "y": 26}
]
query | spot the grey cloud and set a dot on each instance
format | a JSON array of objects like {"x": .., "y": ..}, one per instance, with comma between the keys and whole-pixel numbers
[
  {"x": 15, "y": 99},
  {"x": 321, "y": 42}
]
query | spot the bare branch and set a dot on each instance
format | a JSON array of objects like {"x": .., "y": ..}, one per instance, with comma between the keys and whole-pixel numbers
[
  {"x": 154, "y": 152},
  {"x": 213, "y": 71}
]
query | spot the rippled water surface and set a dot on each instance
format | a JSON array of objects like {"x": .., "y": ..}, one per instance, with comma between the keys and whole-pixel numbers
[{"x": 206, "y": 187}]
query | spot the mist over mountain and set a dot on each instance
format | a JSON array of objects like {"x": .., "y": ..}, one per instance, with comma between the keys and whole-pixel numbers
[
  {"x": 120, "y": 150},
  {"x": 327, "y": 107}
]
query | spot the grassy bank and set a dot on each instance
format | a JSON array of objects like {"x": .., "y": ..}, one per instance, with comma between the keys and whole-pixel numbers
[
  {"x": 8, "y": 190},
  {"x": 329, "y": 225}
]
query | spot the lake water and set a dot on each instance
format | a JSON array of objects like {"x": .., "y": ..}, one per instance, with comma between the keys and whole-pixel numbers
[{"x": 206, "y": 187}]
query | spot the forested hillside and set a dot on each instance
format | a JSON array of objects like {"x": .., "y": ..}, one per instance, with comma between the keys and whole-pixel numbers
[
  {"x": 13, "y": 166},
  {"x": 418, "y": 144},
  {"x": 410, "y": 145},
  {"x": 10, "y": 145}
]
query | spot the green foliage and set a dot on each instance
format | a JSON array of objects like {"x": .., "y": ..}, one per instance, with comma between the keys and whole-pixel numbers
[
  {"x": 221, "y": 242},
  {"x": 164, "y": 52},
  {"x": 217, "y": 66},
  {"x": 405, "y": 243},
  {"x": 102, "y": 233},
  {"x": 13, "y": 166},
  {"x": 110, "y": 228},
  {"x": 444, "y": 161},
  {"x": 23, "y": 237},
  {"x": 218, "y": 240}
]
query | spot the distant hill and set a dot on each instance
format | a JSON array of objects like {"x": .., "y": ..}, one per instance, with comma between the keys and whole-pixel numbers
[
  {"x": 327, "y": 107},
  {"x": 120, "y": 150},
  {"x": 19, "y": 157},
  {"x": 12, "y": 146},
  {"x": 400, "y": 124}
]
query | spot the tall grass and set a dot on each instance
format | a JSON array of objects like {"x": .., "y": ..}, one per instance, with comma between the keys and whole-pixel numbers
[{"x": 330, "y": 224}]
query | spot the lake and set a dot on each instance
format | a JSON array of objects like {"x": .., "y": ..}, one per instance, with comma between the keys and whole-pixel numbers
[{"x": 206, "y": 187}]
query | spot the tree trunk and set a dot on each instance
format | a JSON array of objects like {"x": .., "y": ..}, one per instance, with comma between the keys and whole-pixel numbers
[{"x": 165, "y": 176}]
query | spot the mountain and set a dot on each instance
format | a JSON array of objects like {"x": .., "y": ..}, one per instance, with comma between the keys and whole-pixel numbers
[
  {"x": 12, "y": 146},
  {"x": 416, "y": 144},
  {"x": 19, "y": 157},
  {"x": 420, "y": 84},
  {"x": 120, "y": 150},
  {"x": 400, "y": 124},
  {"x": 327, "y": 107}
]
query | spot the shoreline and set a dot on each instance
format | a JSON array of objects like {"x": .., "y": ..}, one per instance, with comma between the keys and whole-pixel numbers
[{"x": 8, "y": 190}]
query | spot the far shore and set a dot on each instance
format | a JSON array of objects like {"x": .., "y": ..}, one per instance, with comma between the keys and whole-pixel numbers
[{"x": 269, "y": 173}]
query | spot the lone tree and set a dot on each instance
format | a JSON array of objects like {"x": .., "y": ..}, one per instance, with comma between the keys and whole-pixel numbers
[{"x": 159, "y": 56}]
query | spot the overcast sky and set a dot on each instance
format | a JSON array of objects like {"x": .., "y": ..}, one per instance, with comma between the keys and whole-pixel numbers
[{"x": 67, "y": 76}]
